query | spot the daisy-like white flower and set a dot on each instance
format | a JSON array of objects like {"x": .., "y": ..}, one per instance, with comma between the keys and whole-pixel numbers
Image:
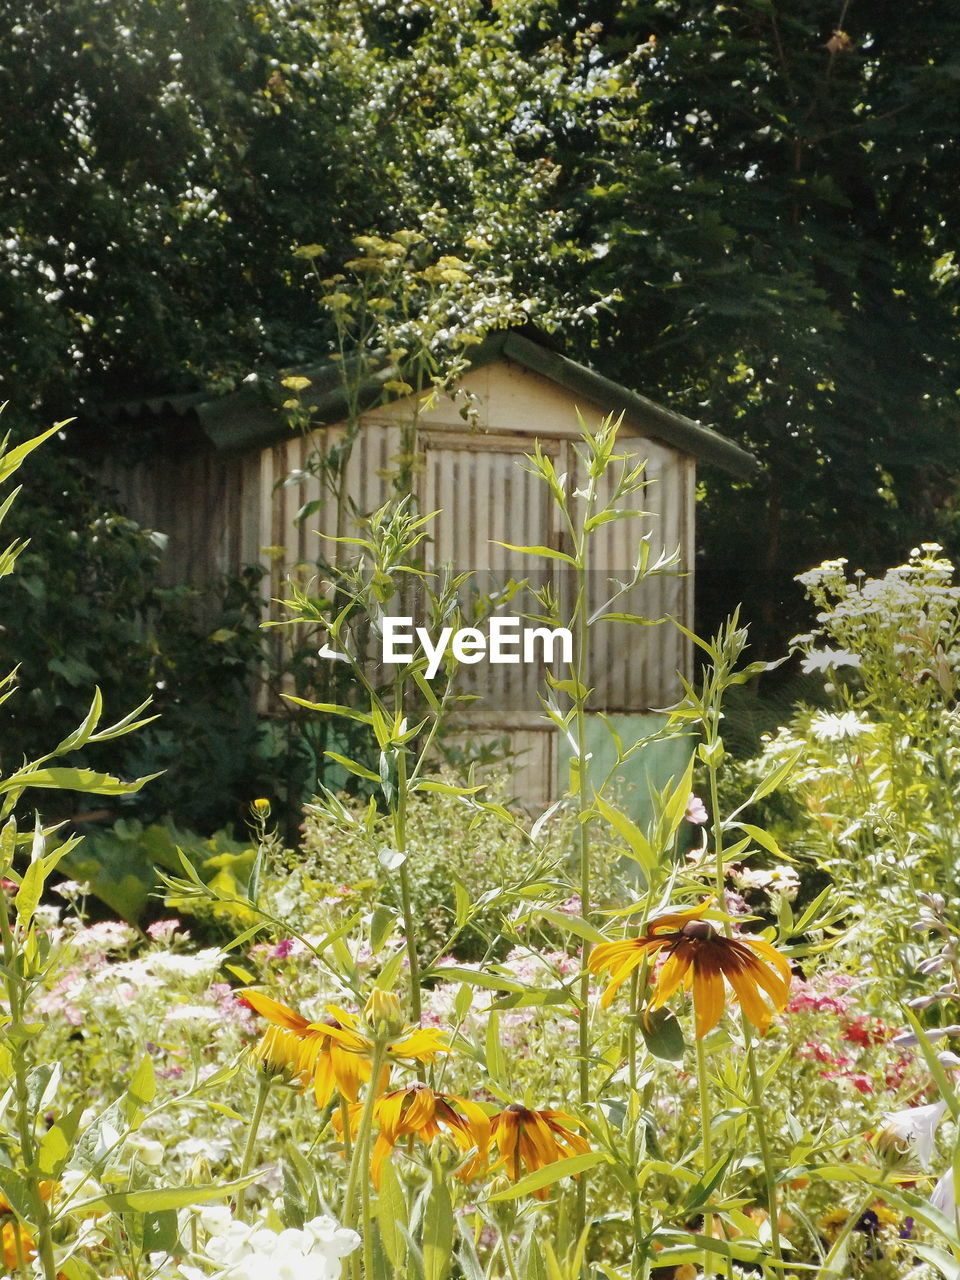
[{"x": 824, "y": 659}]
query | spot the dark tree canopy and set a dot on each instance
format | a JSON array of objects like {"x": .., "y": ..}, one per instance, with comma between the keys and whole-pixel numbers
[{"x": 764, "y": 194}]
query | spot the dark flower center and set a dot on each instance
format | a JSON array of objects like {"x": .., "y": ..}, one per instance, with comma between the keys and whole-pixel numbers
[{"x": 699, "y": 930}]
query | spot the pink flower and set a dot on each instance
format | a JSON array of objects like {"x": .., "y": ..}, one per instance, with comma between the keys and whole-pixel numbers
[
  {"x": 865, "y": 1031},
  {"x": 696, "y": 811},
  {"x": 162, "y": 930},
  {"x": 571, "y": 906}
]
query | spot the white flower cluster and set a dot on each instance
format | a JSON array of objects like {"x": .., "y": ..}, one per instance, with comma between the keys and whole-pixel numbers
[
  {"x": 246, "y": 1251},
  {"x": 779, "y": 879}
]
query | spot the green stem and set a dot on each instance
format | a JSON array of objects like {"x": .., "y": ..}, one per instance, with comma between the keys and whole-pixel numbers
[
  {"x": 18, "y": 1246},
  {"x": 406, "y": 902},
  {"x": 21, "y": 1091},
  {"x": 363, "y": 1137},
  {"x": 827, "y": 1271},
  {"x": 508, "y": 1255},
  {"x": 706, "y": 1145},
  {"x": 583, "y": 805},
  {"x": 637, "y": 1255},
  {"x": 770, "y": 1177},
  {"x": 345, "y": 1125},
  {"x": 263, "y": 1088}
]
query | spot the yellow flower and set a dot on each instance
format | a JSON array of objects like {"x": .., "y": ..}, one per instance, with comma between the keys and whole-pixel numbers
[
  {"x": 700, "y": 957},
  {"x": 416, "y": 1111},
  {"x": 530, "y": 1140},
  {"x": 314, "y": 1051},
  {"x": 334, "y": 1053},
  {"x": 8, "y": 1244},
  {"x": 46, "y": 1189},
  {"x": 261, "y": 805}
]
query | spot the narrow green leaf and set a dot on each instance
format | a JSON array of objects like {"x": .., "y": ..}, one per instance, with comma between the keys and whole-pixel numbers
[
  {"x": 12, "y": 459},
  {"x": 81, "y": 735},
  {"x": 493, "y": 1050},
  {"x": 477, "y": 978},
  {"x": 332, "y": 709},
  {"x": 550, "y": 1174},
  {"x": 576, "y": 925},
  {"x": 774, "y": 779},
  {"x": 86, "y": 780},
  {"x": 639, "y": 846},
  {"x": 161, "y": 1198},
  {"x": 351, "y": 766},
  {"x": 549, "y": 553}
]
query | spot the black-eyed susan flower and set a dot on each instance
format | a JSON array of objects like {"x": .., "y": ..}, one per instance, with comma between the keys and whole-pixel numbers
[
  {"x": 416, "y": 1111},
  {"x": 336, "y": 1052},
  {"x": 699, "y": 957},
  {"x": 530, "y": 1140},
  {"x": 321, "y": 1052},
  {"x": 407, "y": 1046}
]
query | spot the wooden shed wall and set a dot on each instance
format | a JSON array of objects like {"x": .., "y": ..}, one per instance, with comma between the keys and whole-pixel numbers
[{"x": 222, "y": 511}]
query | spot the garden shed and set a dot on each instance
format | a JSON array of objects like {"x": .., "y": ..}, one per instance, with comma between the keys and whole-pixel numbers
[{"x": 226, "y": 479}]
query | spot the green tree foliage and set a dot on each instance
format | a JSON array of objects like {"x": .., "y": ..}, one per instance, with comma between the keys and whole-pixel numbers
[
  {"x": 769, "y": 202},
  {"x": 782, "y": 233}
]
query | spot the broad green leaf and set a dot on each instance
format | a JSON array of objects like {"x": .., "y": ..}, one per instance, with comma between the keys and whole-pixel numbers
[
  {"x": 662, "y": 1034},
  {"x": 438, "y": 1231},
  {"x": 31, "y": 888},
  {"x": 142, "y": 1088},
  {"x": 159, "y": 1233},
  {"x": 382, "y": 924},
  {"x": 392, "y": 1215},
  {"x": 53, "y": 1152}
]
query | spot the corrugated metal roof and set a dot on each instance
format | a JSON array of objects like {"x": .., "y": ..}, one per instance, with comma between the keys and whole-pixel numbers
[{"x": 248, "y": 418}]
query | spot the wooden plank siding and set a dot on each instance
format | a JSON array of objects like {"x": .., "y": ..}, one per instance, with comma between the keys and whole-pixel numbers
[{"x": 223, "y": 510}]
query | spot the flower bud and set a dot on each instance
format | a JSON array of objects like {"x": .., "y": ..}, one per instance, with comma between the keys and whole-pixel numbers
[
  {"x": 382, "y": 1013},
  {"x": 503, "y": 1212}
]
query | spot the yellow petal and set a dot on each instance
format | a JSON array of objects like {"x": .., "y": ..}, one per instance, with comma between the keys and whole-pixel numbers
[
  {"x": 274, "y": 1011},
  {"x": 707, "y": 999}
]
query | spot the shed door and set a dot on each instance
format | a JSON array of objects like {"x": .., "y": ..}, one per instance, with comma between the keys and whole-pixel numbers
[{"x": 484, "y": 496}]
